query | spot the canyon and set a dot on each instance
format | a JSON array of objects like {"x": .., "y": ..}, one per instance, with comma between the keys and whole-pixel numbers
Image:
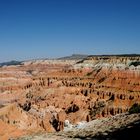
[{"x": 39, "y": 96}]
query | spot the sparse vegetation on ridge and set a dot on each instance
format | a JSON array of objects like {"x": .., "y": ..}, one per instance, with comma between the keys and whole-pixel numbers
[{"x": 135, "y": 108}]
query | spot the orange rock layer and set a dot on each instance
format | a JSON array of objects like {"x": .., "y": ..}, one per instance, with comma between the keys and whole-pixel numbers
[{"x": 40, "y": 96}]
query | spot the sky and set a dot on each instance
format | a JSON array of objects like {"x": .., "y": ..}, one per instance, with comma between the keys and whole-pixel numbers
[{"x": 32, "y": 29}]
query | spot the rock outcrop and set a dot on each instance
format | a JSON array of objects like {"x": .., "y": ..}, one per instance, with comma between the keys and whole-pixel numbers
[{"x": 45, "y": 93}]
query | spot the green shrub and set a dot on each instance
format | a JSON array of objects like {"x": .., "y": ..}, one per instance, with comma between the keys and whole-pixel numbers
[{"x": 135, "y": 108}]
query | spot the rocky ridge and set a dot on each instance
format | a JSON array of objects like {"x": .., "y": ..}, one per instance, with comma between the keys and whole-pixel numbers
[{"x": 121, "y": 126}]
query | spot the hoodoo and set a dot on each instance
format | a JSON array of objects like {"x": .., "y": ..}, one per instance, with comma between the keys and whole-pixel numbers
[{"x": 48, "y": 95}]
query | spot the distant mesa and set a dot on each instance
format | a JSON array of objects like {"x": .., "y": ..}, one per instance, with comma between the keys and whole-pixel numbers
[
  {"x": 9, "y": 63},
  {"x": 117, "y": 55},
  {"x": 74, "y": 57}
]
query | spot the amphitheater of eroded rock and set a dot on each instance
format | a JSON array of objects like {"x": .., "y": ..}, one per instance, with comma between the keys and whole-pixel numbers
[{"x": 40, "y": 95}]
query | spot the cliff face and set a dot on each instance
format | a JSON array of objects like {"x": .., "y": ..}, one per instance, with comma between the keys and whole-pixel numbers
[{"x": 46, "y": 93}]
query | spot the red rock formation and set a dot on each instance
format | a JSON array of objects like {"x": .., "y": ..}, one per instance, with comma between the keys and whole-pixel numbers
[{"x": 44, "y": 94}]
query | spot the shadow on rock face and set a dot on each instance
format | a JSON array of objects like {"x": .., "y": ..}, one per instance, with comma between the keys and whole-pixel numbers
[{"x": 129, "y": 133}]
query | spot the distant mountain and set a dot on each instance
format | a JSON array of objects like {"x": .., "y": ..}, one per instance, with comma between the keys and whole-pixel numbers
[
  {"x": 13, "y": 62},
  {"x": 73, "y": 57}
]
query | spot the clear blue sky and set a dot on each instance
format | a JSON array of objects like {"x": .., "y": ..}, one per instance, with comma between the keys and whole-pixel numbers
[{"x": 52, "y": 28}]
